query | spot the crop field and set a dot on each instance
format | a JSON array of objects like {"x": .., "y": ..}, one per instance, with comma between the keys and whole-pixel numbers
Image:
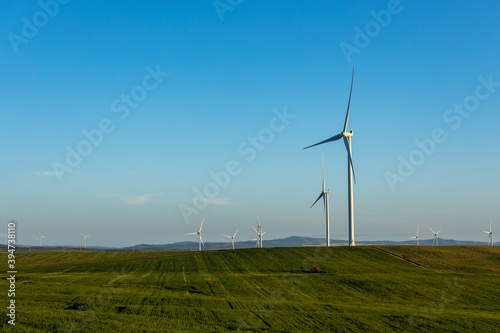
[{"x": 365, "y": 289}]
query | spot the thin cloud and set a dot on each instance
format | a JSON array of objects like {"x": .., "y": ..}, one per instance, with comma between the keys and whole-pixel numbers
[
  {"x": 45, "y": 173},
  {"x": 140, "y": 199},
  {"x": 220, "y": 202}
]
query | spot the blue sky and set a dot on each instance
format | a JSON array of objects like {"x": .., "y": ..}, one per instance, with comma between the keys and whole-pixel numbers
[{"x": 183, "y": 90}]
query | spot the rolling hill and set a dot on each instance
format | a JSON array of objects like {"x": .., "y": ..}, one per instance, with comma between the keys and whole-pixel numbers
[{"x": 372, "y": 288}]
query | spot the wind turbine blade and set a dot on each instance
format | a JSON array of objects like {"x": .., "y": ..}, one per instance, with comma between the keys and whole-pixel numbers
[
  {"x": 487, "y": 232},
  {"x": 263, "y": 233},
  {"x": 202, "y": 241},
  {"x": 227, "y": 236},
  {"x": 333, "y": 138},
  {"x": 192, "y": 233},
  {"x": 438, "y": 231},
  {"x": 255, "y": 230},
  {"x": 317, "y": 199},
  {"x": 350, "y": 158},
  {"x": 258, "y": 221},
  {"x": 417, "y": 230},
  {"x": 431, "y": 229},
  {"x": 349, "y": 103},
  {"x": 201, "y": 226},
  {"x": 235, "y": 233}
]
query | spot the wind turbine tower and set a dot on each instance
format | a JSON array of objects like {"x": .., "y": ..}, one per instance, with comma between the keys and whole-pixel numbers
[
  {"x": 490, "y": 234},
  {"x": 326, "y": 205},
  {"x": 346, "y": 136},
  {"x": 200, "y": 240}
]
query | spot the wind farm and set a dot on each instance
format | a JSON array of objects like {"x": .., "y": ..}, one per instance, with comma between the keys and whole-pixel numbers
[
  {"x": 128, "y": 125},
  {"x": 234, "y": 281}
]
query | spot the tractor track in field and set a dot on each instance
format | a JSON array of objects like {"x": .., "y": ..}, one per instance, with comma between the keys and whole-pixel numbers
[
  {"x": 258, "y": 316},
  {"x": 103, "y": 261},
  {"x": 399, "y": 257}
]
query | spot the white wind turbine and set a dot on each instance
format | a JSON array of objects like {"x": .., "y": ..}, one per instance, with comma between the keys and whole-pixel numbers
[
  {"x": 324, "y": 195},
  {"x": 346, "y": 136},
  {"x": 259, "y": 233},
  {"x": 40, "y": 236},
  {"x": 416, "y": 237},
  {"x": 84, "y": 240},
  {"x": 490, "y": 234},
  {"x": 232, "y": 237},
  {"x": 435, "y": 241},
  {"x": 200, "y": 241},
  {"x": 258, "y": 239}
]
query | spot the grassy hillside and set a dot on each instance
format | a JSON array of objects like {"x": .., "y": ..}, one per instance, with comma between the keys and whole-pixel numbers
[
  {"x": 360, "y": 289},
  {"x": 460, "y": 259}
]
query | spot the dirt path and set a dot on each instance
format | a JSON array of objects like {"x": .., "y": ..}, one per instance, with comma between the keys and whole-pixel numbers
[{"x": 399, "y": 257}]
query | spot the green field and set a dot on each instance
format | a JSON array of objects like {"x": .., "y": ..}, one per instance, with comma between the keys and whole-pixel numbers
[{"x": 376, "y": 288}]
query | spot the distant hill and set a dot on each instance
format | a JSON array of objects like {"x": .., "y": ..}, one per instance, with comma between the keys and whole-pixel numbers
[{"x": 292, "y": 241}]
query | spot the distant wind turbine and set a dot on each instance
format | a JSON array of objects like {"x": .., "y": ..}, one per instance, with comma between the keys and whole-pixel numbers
[
  {"x": 40, "y": 236},
  {"x": 324, "y": 195},
  {"x": 200, "y": 241},
  {"x": 490, "y": 234},
  {"x": 416, "y": 237},
  {"x": 346, "y": 136},
  {"x": 435, "y": 241},
  {"x": 259, "y": 233},
  {"x": 232, "y": 237},
  {"x": 258, "y": 237},
  {"x": 84, "y": 240}
]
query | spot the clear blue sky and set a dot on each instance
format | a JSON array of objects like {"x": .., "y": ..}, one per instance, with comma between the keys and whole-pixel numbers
[{"x": 82, "y": 66}]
